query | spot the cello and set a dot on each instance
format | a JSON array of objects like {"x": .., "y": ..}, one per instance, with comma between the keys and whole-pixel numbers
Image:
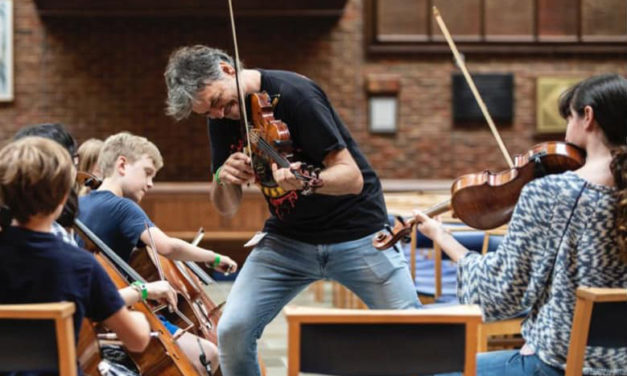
[
  {"x": 195, "y": 303},
  {"x": 162, "y": 356}
]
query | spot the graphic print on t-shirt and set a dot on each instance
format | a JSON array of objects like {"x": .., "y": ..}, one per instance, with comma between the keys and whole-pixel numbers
[{"x": 280, "y": 200}]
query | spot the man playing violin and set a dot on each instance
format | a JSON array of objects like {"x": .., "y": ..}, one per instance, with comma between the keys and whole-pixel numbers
[{"x": 308, "y": 237}]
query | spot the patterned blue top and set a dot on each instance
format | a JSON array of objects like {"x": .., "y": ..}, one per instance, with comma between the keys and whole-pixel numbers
[{"x": 561, "y": 236}]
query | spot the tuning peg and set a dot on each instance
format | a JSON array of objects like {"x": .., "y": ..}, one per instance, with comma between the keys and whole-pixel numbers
[{"x": 389, "y": 229}]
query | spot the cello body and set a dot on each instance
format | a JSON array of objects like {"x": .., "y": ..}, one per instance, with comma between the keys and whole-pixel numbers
[
  {"x": 162, "y": 357},
  {"x": 193, "y": 302}
]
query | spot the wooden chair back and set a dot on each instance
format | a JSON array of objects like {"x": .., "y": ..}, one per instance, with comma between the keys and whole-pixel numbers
[
  {"x": 352, "y": 342},
  {"x": 38, "y": 337},
  {"x": 600, "y": 319}
]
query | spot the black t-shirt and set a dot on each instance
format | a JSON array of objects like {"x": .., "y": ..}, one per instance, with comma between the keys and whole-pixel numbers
[
  {"x": 316, "y": 130},
  {"x": 38, "y": 267}
]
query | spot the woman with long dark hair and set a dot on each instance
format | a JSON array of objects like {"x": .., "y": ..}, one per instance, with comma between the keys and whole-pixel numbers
[{"x": 567, "y": 230}]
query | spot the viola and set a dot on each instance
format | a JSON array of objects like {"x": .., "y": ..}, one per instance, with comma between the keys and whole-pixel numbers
[
  {"x": 270, "y": 140},
  {"x": 486, "y": 200},
  {"x": 162, "y": 356}
]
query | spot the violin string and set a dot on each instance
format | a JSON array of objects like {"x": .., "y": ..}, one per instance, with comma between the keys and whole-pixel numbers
[
  {"x": 240, "y": 93},
  {"x": 263, "y": 144}
]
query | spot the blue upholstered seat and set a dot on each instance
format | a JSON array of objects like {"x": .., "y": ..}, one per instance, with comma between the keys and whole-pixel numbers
[{"x": 425, "y": 267}]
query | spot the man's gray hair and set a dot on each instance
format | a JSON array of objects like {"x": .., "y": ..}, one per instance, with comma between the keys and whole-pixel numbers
[{"x": 189, "y": 69}]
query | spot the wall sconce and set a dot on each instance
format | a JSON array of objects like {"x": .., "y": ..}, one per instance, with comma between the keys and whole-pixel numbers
[{"x": 382, "y": 90}]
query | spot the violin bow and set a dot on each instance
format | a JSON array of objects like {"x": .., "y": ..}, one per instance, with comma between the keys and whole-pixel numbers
[
  {"x": 471, "y": 84},
  {"x": 240, "y": 94}
]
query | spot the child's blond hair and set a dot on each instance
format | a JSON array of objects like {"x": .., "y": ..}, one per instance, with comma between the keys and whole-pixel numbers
[
  {"x": 36, "y": 175},
  {"x": 130, "y": 146}
]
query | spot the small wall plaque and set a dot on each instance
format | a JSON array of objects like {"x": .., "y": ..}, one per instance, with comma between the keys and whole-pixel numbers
[
  {"x": 549, "y": 89},
  {"x": 496, "y": 91}
]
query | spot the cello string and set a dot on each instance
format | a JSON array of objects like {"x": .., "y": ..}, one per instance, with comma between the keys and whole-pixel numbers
[{"x": 152, "y": 250}]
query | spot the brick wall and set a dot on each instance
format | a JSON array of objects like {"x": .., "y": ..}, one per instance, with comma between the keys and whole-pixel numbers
[{"x": 101, "y": 76}]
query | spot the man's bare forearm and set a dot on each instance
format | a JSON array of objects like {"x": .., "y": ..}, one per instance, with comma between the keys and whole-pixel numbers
[{"x": 226, "y": 198}]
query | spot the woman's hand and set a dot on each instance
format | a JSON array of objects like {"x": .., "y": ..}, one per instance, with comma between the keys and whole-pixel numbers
[{"x": 429, "y": 227}]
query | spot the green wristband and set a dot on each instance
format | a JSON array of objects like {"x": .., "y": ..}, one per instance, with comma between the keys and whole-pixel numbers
[
  {"x": 141, "y": 288},
  {"x": 216, "y": 261},
  {"x": 216, "y": 176}
]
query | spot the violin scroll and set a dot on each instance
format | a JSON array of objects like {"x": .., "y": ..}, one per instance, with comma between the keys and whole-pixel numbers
[
  {"x": 386, "y": 238},
  {"x": 88, "y": 180}
]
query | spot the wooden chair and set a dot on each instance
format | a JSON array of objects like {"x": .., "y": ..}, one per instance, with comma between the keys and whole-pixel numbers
[
  {"x": 38, "y": 337},
  {"x": 344, "y": 298},
  {"x": 382, "y": 342},
  {"x": 599, "y": 320},
  {"x": 501, "y": 231},
  {"x": 437, "y": 255}
]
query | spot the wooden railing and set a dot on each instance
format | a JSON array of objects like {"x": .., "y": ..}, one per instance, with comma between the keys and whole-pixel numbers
[{"x": 180, "y": 209}]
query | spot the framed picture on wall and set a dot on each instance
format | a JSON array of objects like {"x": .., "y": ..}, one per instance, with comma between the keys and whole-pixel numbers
[
  {"x": 549, "y": 89},
  {"x": 6, "y": 50}
]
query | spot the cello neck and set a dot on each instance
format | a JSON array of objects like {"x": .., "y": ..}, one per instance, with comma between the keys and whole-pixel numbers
[{"x": 111, "y": 255}]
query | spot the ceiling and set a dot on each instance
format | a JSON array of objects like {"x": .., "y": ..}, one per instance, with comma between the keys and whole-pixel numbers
[{"x": 192, "y": 8}]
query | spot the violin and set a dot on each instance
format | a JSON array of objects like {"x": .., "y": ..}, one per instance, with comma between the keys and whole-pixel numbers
[
  {"x": 270, "y": 140},
  {"x": 267, "y": 137},
  {"x": 486, "y": 200},
  {"x": 162, "y": 356}
]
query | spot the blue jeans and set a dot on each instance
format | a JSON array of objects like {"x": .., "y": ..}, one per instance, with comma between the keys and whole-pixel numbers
[
  {"x": 279, "y": 268},
  {"x": 510, "y": 363}
]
